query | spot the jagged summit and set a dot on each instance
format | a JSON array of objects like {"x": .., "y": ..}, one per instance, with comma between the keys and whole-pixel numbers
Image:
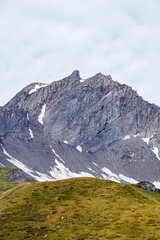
[
  {"x": 101, "y": 75},
  {"x": 81, "y": 127},
  {"x": 75, "y": 75}
]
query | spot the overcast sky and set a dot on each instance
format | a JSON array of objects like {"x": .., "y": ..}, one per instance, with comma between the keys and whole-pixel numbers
[{"x": 45, "y": 40}]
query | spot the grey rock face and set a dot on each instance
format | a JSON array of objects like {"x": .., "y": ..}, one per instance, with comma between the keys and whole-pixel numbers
[
  {"x": 73, "y": 127},
  {"x": 147, "y": 186},
  {"x": 17, "y": 175}
]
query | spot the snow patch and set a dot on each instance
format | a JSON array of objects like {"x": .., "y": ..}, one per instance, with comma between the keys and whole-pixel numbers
[
  {"x": 41, "y": 178},
  {"x": 104, "y": 176},
  {"x": 82, "y": 80},
  {"x": 136, "y": 135},
  {"x": 41, "y": 116},
  {"x": 56, "y": 154},
  {"x": 79, "y": 148},
  {"x": 91, "y": 170},
  {"x": 66, "y": 142},
  {"x": 157, "y": 184},
  {"x": 31, "y": 133},
  {"x": 61, "y": 172},
  {"x": 126, "y": 137},
  {"x": 155, "y": 150},
  {"x": 2, "y": 165},
  {"x": 36, "y": 87},
  {"x": 106, "y": 170},
  {"x": 27, "y": 116},
  {"x": 128, "y": 179},
  {"x": 110, "y": 178},
  {"x": 117, "y": 178},
  {"x": 96, "y": 165},
  {"x": 146, "y": 140}
]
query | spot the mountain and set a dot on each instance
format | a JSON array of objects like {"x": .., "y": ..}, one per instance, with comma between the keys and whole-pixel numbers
[
  {"x": 79, "y": 208},
  {"x": 73, "y": 127}
]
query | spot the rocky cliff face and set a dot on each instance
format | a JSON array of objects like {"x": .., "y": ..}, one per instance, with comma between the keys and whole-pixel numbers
[
  {"x": 18, "y": 176},
  {"x": 73, "y": 127}
]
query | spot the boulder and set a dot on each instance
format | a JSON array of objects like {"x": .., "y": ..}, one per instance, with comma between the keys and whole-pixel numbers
[{"x": 147, "y": 186}]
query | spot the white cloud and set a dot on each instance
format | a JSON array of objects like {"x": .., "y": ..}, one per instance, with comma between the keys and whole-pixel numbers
[{"x": 43, "y": 41}]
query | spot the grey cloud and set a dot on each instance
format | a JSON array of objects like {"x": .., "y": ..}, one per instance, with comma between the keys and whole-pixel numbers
[{"x": 46, "y": 40}]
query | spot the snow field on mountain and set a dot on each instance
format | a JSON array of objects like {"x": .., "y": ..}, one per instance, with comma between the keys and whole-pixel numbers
[{"x": 41, "y": 116}]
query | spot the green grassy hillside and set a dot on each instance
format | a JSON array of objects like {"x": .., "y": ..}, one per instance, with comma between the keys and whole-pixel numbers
[
  {"x": 5, "y": 181},
  {"x": 80, "y": 208}
]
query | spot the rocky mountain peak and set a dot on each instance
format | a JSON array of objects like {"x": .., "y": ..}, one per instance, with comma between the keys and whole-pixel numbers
[
  {"x": 102, "y": 76},
  {"x": 81, "y": 127},
  {"x": 75, "y": 75}
]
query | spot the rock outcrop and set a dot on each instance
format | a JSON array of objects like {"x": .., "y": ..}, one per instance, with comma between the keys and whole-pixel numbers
[
  {"x": 17, "y": 175},
  {"x": 147, "y": 186}
]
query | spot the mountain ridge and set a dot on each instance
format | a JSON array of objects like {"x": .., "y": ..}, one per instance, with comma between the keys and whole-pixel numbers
[{"x": 75, "y": 127}]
